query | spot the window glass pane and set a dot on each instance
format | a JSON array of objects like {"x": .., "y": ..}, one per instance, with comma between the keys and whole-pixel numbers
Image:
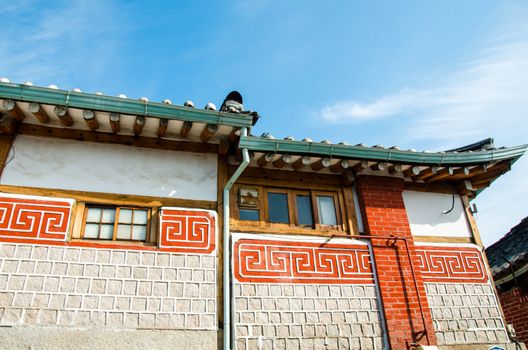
[
  {"x": 304, "y": 210},
  {"x": 139, "y": 233},
  {"x": 278, "y": 208},
  {"x": 91, "y": 231},
  {"x": 140, "y": 217},
  {"x": 327, "y": 213},
  {"x": 109, "y": 216},
  {"x": 123, "y": 231},
  {"x": 125, "y": 216},
  {"x": 107, "y": 232},
  {"x": 249, "y": 214},
  {"x": 94, "y": 215}
]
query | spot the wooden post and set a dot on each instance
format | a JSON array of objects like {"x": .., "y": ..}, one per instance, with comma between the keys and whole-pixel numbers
[
  {"x": 39, "y": 112},
  {"x": 301, "y": 162},
  {"x": 138, "y": 125},
  {"x": 208, "y": 131},
  {"x": 320, "y": 164},
  {"x": 223, "y": 148},
  {"x": 12, "y": 110},
  {"x": 90, "y": 119},
  {"x": 162, "y": 128},
  {"x": 6, "y": 141},
  {"x": 62, "y": 113},
  {"x": 115, "y": 122}
]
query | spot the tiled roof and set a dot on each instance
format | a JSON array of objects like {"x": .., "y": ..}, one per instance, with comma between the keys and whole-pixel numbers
[{"x": 510, "y": 249}]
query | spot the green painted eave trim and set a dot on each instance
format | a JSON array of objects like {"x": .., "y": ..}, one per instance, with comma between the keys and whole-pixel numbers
[
  {"x": 83, "y": 100},
  {"x": 259, "y": 144}
]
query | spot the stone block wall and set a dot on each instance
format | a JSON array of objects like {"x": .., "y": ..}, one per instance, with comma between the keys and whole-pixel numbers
[
  {"x": 465, "y": 313},
  {"x": 463, "y": 304},
  {"x": 114, "y": 288},
  {"x": 291, "y": 293}
]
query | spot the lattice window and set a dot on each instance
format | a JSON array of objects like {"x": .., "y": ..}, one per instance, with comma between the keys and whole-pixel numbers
[{"x": 116, "y": 223}]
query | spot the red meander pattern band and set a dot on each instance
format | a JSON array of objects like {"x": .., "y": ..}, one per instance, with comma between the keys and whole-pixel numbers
[
  {"x": 451, "y": 264},
  {"x": 272, "y": 261},
  {"x": 187, "y": 231}
]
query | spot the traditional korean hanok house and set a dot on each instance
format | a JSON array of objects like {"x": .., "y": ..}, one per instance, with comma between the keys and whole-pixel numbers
[{"x": 129, "y": 223}]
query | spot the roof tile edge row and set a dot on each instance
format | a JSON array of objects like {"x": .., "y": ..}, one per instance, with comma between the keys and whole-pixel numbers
[
  {"x": 379, "y": 154},
  {"x": 83, "y": 100}
]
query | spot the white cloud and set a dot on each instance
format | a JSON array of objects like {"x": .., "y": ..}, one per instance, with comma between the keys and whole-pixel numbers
[
  {"x": 488, "y": 96},
  {"x": 46, "y": 44}
]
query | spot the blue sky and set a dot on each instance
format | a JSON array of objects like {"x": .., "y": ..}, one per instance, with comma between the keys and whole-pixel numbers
[{"x": 424, "y": 75}]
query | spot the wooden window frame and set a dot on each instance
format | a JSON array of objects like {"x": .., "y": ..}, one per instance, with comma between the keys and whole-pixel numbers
[
  {"x": 148, "y": 226},
  {"x": 264, "y": 225}
]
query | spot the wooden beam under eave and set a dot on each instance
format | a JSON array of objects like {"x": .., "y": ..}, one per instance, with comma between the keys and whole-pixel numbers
[
  {"x": 359, "y": 166},
  {"x": 320, "y": 164},
  {"x": 441, "y": 174},
  {"x": 39, "y": 112},
  {"x": 265, "y": 159},
  {"x": 208, "y": 131},
  {"x": 395, "y": 169},
  {"x": 115, "y": 122},
  {"x": 282, "y": 161},
  {"x": 12, "y": 110},
  {"x": 492, "y": 173},
  {"x": 90, "y": 119},
  {"x": 378, "y": 166},
  {"x": 301, "y": 162},
  {"x": 62, "y": 113},
  {"x": 185, "y": 129},
  {"x": 473, "y": 171},
  {"x": 8, "y": 124},
  {"x": 138, "y": 125},
  {"x": 339, "y": 166},
  {"x": 162, "y": 127},
  {"x": 413, "y": 170}
]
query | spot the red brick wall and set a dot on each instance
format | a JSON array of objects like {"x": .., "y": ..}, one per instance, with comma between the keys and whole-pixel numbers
[
  {"x": 515, "y": 307},
  {"x": 384, "y": 214}
]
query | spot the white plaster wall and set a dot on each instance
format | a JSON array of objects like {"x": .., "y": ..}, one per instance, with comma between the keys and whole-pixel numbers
[
  {"x": 424, "y": 210},
  {"x": 88, "y": 166}
]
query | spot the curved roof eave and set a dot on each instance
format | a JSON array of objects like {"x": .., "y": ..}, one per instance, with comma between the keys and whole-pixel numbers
[{"x": 260, "y": 144}]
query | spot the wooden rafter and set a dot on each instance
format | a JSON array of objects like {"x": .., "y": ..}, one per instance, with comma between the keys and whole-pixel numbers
[
  {"x": 12, "y": 110},
  {"x": 441, "y": 174},
  {"x": 301, "y": 162},
  {"x": 321, "y": 163},
  {"x": 395, "y": 169},
  {"x": 361, "y": 165},
  {"x": 39, "y": 112},
  {"x": 208, "y": 131},
  {"x": 412, "y": 171},
  {"x": 265, "y": 159},
  {"x": 378, "y": 166},
  {"x": 138, "y": 125},
  {"x": 62, "y": 113},
  {"x": 424, "y": 174},
  {"x": 185, "y": 129},
  {"x": 339, "y": 166},
  {"x": 90, "y": 119},
  {"x": 162, "y": 127},
  {"x": 282, "y": 161},
  {"x": 115, "y": 122}
]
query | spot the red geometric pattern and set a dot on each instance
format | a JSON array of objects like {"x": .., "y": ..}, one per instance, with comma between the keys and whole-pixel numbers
[
  {"x": 271, "y": 261},
  {"x": 451, "y": 264},
  {"x": 187, "y": 231},
  {"x": 35, "y": 219}
]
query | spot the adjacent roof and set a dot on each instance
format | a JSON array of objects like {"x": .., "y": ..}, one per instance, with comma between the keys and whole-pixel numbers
[{"x": 510, "y": 253}]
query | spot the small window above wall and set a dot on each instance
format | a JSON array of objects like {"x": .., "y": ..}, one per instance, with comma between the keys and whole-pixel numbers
[
  {"x": 116, "y": 223},
  {"x": 297, "y": 210}
]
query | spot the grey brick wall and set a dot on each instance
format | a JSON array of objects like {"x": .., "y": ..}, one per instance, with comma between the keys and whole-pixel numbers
[
  {"x": 465, "y": 313},
  {"x": 305, "y": 316},
  {"x": 115, "y": 288}
]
